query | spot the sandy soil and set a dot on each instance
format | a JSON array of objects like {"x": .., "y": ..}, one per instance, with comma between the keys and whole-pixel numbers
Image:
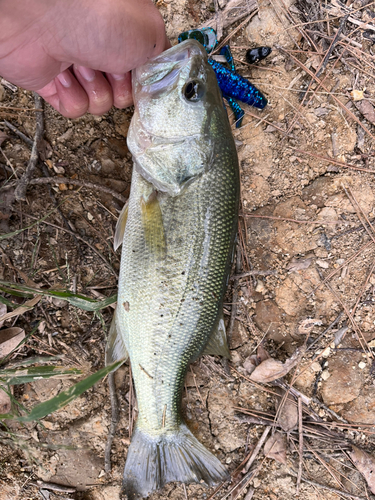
[{"x": 307, "y": 190}]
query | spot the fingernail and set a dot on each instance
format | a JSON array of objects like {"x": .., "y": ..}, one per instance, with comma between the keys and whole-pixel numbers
[
  {"x": 87, "y": 73},
  {"x": 65, "y": 79},
  {"x": 118, "y": 77}
]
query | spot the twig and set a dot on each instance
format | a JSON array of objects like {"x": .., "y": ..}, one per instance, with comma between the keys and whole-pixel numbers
[
  {"x": 331, "y": 160},
  {"x": 332, "y": 46},
  {"x": 320, "y": 83},
  {"x": 286, "y": 219},
  {"x": 56, "y": 487},
  {"x": 114, "y": 421},
  {"x": 329, "y": 488},
  {"x": 300, "y": 442},
  {"x": 76, "y": 182},
  {"x": 19, "y": 133},
  {"x": 258, "y": 447},
  {"x": 20, "y": 191},
  {"x": 233, "y": 312},
  {"x": 253, "y": 273}
]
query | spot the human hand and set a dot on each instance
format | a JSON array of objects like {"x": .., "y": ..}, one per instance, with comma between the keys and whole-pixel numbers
[{"x": 61, "y": 48}]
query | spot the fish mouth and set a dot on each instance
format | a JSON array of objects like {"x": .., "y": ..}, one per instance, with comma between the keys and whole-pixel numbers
[{"x": 162, "y": 72}]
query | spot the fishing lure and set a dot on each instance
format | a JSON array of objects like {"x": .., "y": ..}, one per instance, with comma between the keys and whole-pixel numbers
[
  {"x": 257, "y": 54},
  {"x": 233, "y": 86}
]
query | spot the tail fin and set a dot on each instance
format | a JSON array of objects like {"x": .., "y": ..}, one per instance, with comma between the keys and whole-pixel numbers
[{"x": 153, "y": 462}]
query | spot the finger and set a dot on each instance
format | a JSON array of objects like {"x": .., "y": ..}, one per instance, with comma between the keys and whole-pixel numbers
[
  {"x": 122, "y": 89},
  {"x": 97, "y": 88},
  {"x": 66, "y": 95}
]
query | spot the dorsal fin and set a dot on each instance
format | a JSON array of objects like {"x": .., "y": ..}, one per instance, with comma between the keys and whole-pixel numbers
[{"x": 120, "y": 226}]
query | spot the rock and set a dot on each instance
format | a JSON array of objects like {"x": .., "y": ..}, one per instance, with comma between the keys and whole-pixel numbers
[
  {"x": 256, "y": 192},
  {"x": 306, "y": 376},
  {"x": 363, "y": 194},
  {"x": 122, "y": 122},
  {"x": 223, "y": 423},
  {"x": 268, "y": 317},
  {"x": 76, "y": 467},
  {"x": 362, "y": 409},
  {"x": 345, "y": 381},
  {"x": 9, "y": 491},
  {"x": 119, "y": 146},
  {"x": 264, "y": 28},
  {"x": 289, "y": 297},
  {"x": 105, "y": 493},
  {"x": 239, "y": 335}
]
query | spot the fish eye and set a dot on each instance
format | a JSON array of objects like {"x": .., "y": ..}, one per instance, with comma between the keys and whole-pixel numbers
[{"x": 193, "y": 90}]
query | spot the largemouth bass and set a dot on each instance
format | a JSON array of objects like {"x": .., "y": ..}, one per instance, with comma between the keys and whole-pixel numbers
[{"x": 177, "y": 233}]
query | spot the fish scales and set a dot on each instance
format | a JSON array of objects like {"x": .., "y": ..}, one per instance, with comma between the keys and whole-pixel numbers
[{"x": 170, "y": 296}]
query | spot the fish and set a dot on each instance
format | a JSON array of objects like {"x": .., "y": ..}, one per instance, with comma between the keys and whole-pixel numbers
[{"x": 177, "y": 233}]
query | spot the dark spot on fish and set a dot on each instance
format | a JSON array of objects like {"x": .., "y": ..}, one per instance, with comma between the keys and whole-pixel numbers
[
  {"x": 161, "y": 315},
  {"x": 183, "y": 272},
  {"x": 126, "y": 306}
]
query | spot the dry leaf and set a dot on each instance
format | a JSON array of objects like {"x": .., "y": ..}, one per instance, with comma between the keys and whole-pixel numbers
[
  {"x": 29, "y": 304},
  {"x": 9, "y": 340},
  {"x": 275, "y": 448},
  {"x": 3, "y": 137},
  {"x": 367, "y": 109},
  {"x": 306, "y": 326},
  {"x": 272, "y": 369},
  {"x": 262, "y": 354},
  {"x": 365, "y": 463},
  {"x": 357, "y": 95},
  {"x": 250, "y": 363},
  {"x": 288, "y": 416},
  {"x": 5, "y": 403}
]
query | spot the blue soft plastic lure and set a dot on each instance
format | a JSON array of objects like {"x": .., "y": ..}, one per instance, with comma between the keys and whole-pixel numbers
[{"x": 233, "y": 86}]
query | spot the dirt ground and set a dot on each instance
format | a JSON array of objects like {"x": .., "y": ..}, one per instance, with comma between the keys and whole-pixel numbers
[{"x": 306, "y": 248}]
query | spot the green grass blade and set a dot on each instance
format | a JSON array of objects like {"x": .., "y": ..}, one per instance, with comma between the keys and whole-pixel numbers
[
  {"x": 77, "y": 300},
  {"x": 65, "y": 397},
  {"x": 8, "y": 303},
  {"x": 22, "y": 376},
  {"x": 36, "y": 360}
]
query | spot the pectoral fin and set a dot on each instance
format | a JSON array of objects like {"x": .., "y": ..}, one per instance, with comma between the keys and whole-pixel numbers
[
  {"x": 120, "y": 226},
  {"x": 153, "y": 224},
  {"x": 217, "y": 343},
  {"x": 115, "y": 349}
]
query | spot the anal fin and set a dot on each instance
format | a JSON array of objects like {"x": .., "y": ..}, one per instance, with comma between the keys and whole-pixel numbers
[
  {"x": 152, "y": 220},
  {"x": 120, "y": 226},
  {"x": 217, "y": 343},
  {"x": 115, "y": 348}
]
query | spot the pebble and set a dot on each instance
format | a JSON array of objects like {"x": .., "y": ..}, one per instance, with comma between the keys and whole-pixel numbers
[
  {"x": 362, "y": 365},
  {"x": 344, "y": 384},
  {"x": 325, "y": 375},
  {"x": 315, "y": 367},
  {"x": 322, "y": 263}
]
